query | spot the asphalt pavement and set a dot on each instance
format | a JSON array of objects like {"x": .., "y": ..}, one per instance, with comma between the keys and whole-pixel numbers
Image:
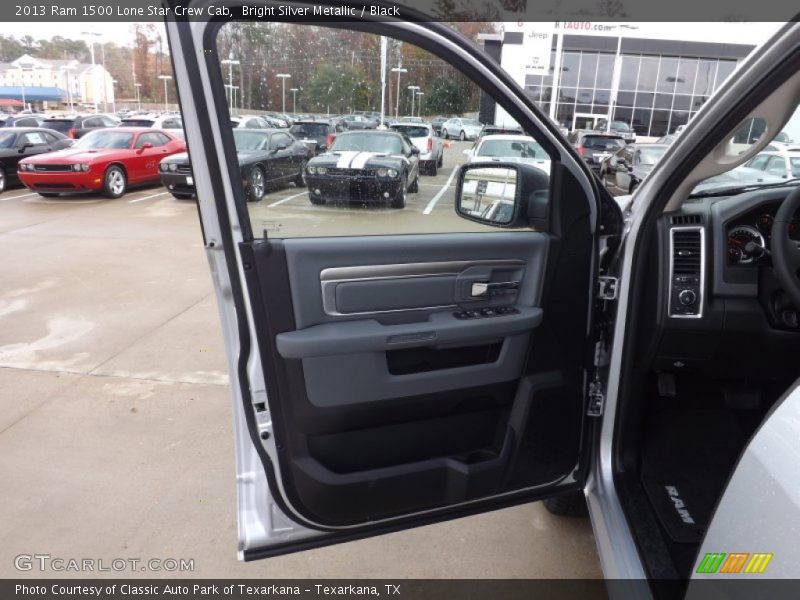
[{"x": 115, "y": 429}]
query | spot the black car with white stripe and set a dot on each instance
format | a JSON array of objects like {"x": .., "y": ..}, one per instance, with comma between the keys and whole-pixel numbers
[{"x": 368, "y": 167}]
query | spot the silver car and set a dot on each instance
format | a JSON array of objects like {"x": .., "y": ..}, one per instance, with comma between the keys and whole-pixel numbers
[
  {"x": 461, "y": 129},
  {"x": 456, "y": 359}
]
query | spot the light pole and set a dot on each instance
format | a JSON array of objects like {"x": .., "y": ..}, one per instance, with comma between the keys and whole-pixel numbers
[
  {"x": 94, "y": 74},
  {"x": 283, "y": 77},
  {"x": 66, "y": 69},
  {"x": 398, "y": 69},
  {"x": 230, "y": 61},
  {"x": 294, "y": 99},
  {"x": 165, "y": 78},
  {"x": 419, "y": 103},
  {"x": 413, "y": 89},
  {"x": 138, "y": 97},
  {"x": 114, "y": 100}
]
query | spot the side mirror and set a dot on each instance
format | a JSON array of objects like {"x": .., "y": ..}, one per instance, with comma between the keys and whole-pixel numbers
[
  {"x": 144, "y": 147},
  {"x": 25, "y": 146},
  {"x": 414, "y": 150},
  {"x": 502, "y": 194}
]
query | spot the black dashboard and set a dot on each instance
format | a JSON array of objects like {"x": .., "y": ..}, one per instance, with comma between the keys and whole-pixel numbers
[{"x": 719, "y": 291}]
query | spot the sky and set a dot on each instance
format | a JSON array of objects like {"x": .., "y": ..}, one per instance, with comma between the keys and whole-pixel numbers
[{"x": 119, "y": 33}]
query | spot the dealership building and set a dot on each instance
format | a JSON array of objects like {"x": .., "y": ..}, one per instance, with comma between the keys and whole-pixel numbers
[{"x": 653, "y": 76}]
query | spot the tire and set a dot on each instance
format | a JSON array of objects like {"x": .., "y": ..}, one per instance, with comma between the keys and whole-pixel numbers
[
  {"x": 315, "y": 200},
  {"x": 399, "y": 201},
  {"x": 2, "y": 181},
  {"x": 48, "y": 194},
  {"x": 433, "y": 170},
  {"x": 445, "y": 135},
  {"x": 440, "y": 164},
  {"x": 568, "y": 505},
  {"x": 114, "y": 182},
  {"x": 300, "y": 180},
  {"x": 413, "y": 188},
  {"x": 256, "y": 185},
  {"x": 463, "y": 137},
  {"x": 182, "y": 196}
]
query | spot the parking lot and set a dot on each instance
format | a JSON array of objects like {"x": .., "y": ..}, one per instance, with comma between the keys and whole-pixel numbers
[{"x": 115, "y": 429}]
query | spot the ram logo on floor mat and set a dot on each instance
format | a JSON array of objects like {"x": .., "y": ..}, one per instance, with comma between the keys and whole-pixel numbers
[
  {"x": 680, "y": 506},
  {"x": 735, "y": 562}
]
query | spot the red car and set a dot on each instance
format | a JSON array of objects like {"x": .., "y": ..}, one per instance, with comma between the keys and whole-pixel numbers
[{"x": 105, "y": 160}]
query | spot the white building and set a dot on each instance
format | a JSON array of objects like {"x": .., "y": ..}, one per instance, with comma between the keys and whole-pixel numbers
[{"x": 80, "y": 83}]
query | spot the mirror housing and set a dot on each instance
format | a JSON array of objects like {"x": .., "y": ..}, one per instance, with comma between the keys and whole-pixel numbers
[
  {"x": 414, "y": 150},
  {"x": 144, "y": 147},
  {"x": 508, "y": 195}
]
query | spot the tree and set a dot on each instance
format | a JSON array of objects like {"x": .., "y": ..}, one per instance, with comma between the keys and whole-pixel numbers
[
  {"x": 448, "y": 97},
  {"x": 60, "y": 48},
  {"x": 337, "y": 89},
  {"x": 10, "y": 49}
]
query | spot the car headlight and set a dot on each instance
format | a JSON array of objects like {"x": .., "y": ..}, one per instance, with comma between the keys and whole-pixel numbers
[
  {"x": 322, "y": 170},
  {"x": 173, "y": 167},
  {"x": 163, "y": 166},
  {"x": 311, "y": 170},
  {"x": 391, "y": 172},
  {"x": 84, "y": 167},
  {"x": 76, "y": 167},
  {"x": 383, "y": 172},
  {"x": 23, "y": 167}
]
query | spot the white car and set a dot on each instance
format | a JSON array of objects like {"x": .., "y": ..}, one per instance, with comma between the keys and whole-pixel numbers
[
  {"x": 509, "y": 148},
  {"x": 461, "y": 128},
  {"x": 781, "y": 163},
  {"x": 423, "y": 368},
  {"x": 249, "y": 122},
  {"x": 153, "y": 121},
  {"x": 431, "y": 148}
]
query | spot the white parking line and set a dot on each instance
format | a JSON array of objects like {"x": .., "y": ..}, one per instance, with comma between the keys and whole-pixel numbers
[
  {"x": 3, "y": 199},
  {"x": 147, "y": 197},
  {"x": 440, "y": 193},
  {"x": 292, "y": 197}
]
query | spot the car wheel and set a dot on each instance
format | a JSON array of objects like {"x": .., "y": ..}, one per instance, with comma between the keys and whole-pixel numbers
[
  {"x": 568, "y": 505},
  {"x": 433, "y": 170},
  {"x": 463, "y": 136},
  {"x": 414, "y": 187},
  {"x": 2, "y": 181},
  {"x": 440, "y": 164},
  {"x": 182, "y": 196},
  {"x": 399, "y": 201},
  {"x": 48, "y": 194},
  {"x": 445, "y": 134},
  {"x": 257, "y": 185},
  {"x": 315, "y": 199},
  {"x": 300, "y": 181},
  {"x": 114, "y": 182}
]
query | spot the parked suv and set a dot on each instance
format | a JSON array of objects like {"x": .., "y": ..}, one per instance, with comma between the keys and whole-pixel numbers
[
  {"x": 621, "y": 128},
  {"x": 77, "y": 126},
  {"x": 595, "y": 147},
  {"x": 317, "y": 134}
]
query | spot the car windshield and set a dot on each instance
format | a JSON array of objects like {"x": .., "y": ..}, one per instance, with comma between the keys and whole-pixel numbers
[
  {"x": 794, "y": 161},
  {"x": 601, "y": 142},
  {"x": 389, "y": 144},
  {"x": 650, "y": 156},
  {"x": 7, "y": 139},
  {"x": 61, "y": 125},
  {"x": 138, "y": 123},
  {"x": 620, "y": 126},
  {"x": 412, "y": 131},
  {"x": 248, "y": 140},
  {"x": 312, "y": 129},
  {"x": 511, "y": 148},
  {"x": 105, "y": 138}
]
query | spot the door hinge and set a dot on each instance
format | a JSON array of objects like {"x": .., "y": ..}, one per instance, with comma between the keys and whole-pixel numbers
[
  {"x": 607, "y": 287},
  {"x": 597, "y": 399}
]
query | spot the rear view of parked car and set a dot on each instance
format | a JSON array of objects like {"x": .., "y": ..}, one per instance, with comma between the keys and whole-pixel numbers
[
  {"x": 317, "y": 134},
  {"x": 431, "y": 150},
  {"x": 596, "y": 147}
]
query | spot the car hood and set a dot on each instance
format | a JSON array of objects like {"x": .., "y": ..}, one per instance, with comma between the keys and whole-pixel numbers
[
  {"x": 75, "y": 155},
  {"x": 542, "y": 164},
  {"x": 738, "y": 176},
  {"x": 180, "y": 158},
  {"x": 354, "y": 159}
]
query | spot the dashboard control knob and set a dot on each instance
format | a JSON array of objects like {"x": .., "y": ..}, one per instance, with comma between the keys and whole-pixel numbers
[{"x": 687, "y": 297}]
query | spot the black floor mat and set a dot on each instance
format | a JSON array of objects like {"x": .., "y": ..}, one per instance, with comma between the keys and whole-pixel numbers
[{"x": 687, "y": 458}]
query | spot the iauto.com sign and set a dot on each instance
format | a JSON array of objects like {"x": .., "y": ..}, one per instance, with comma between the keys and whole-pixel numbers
[{"x": 584, "y": 26}]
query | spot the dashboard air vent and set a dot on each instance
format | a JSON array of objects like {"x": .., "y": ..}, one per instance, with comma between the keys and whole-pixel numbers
[
  {"x": 687, "y": 220},
  {"x": 686, "y": 252}
]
